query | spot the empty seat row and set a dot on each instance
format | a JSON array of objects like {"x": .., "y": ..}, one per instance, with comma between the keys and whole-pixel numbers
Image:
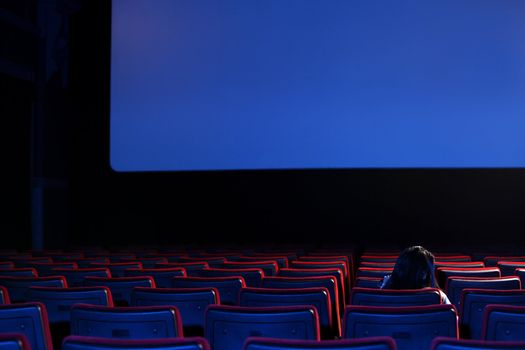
[
  {"x": 17, "y": 341},
  {"x": 227, "y": 326}
]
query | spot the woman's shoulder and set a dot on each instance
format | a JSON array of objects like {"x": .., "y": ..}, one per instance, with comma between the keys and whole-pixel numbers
[
  {"x": 444, "y": 297},
  {"x": 385, "y": 282}
]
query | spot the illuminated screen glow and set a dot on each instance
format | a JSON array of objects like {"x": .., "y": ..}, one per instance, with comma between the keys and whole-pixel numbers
[{"x": 298, "y": 84}]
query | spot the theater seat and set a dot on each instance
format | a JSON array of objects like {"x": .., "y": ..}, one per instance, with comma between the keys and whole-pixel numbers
[
  {"x": 75, "y": 342},
  {"x": 163, "y": 276},
  {"x": 121, "y": 287},
  {"x": 144, "y": 322},
  {"x": 4, "y": 296},
  {"x": 443, "y": 273},
  {"x": 269, "y": 267},
  {"x": 227, "y": 327},
  {"x": 508, "y": 268},
  {"x": 455, "y": 285},
  {"x": 369, "y": 282},
  {"x": 328, "y": 282},
  {"x": 411, "y": 327},
  {"x": 228, "y": 287},
  {"x": 252, "y": 276},
  {"x": 29, "y": 319},
  {"x": 473, "y": 305},
  {"x": 317, "y": 296},
  {"x": 58, "y": 303},
  {"x": 18, "y": 287},
  {"x": 372, "y": 343},
  {"x": 445, "y": 343},
  {"x": 389, "y": 297},
  {"x": 14, "y": 341},
  {"x": 20, "y": 272},
  {"x": 77, "y": 277},
  {"x": 335, "y": 272},
  {"x": 504, "y": 322},
  {"x": 7, "y": 265},
  {"x": 191, "y": 303}
]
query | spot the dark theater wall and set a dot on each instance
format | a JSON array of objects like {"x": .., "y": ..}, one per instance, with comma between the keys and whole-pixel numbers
[{"x": 430, "y": 206}]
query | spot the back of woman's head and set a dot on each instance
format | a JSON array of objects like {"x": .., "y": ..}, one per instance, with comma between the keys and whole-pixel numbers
[{"x": 414, "y": 269}]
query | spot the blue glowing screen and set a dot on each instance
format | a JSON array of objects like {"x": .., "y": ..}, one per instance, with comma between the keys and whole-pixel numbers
[{"x": 298, "y": 84}]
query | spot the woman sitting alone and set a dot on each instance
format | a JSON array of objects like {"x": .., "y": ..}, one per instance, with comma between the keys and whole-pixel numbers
[{"x": 414, "y": 269}]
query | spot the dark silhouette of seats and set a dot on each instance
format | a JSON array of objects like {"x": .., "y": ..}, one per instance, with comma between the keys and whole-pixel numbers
[
  {"x": 391, "y": 258},
  {"x": 227, "y": 327},
  {"x": 4, "y": 296},
  {"x": 341, "y": 264},
  {"x": 443, "y": 273},
  {"x": 8, "y": 254},
  {"x": 14, "y": 341},
  {"x": 280, "y": 260},
  {"x": 451, "y": 258},
  {"x": 58, "y": 302},
  {"x": 76, "y": 342},
  {"x": 335, "y": 272},
  {"x": 228, "y": 256},
  {"x": 411, "y": 327},
  {"x": 316, "y": 296},
  {"x": 508, "y": 268},
  {"x": 270, "y": 254},
  {"x": 121, "y": 257},
  {"x": 504, "y": 323},
  {"x": 163, "y": 276},
  {"x": 228, "y": 287},
  {"x": 372, "y": 343},
  {"x": 384, "y": 265},
  {"x": 213, "y": 262},
  {"x": 7, "y": 265},
  {"x": 492, "y": 260},
  {"x": 269, "y": 267},
  {"x": 473, "y": 305},
  {"x": 348, "y": 258},
  {"x": 464, "y": 264},
  {"x": 144, "y": 322},
  {"x": 328, "y": 282},
  {"x": 455, "y": 285},
  {"x": 191, "y": 303},
  {"x": 18, "y": 287},
  {"x": 117, "y": 268},
  {"x": 121, "y": 287},
  {"x": 85, "y": 263},
  {"x": 29, "y": 319},
  {"x": 19, "y": 272},
  {"x": 47, "y": 269},
  {"x": 347, "y": 253},
  {"x": 30, "y": 262},
  {"x": 445, "y": 343},
  {"x": 390, "y": 297},
  {"x": 378, "y": 272},
  {"x": 521, "y": 275},
  {"x": 65, "y": 256},
  {"x": 150, "y": 262},
  {"x": 369, "y": 282},
  {"x": 192, "y": 268},
  {"x": 77, "y": 277},
  {"x": 312, "y": 264},
  {"x": 252, "y": 276}
]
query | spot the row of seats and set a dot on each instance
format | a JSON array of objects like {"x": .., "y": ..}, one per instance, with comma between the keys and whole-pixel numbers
[
  {"x": 193, "y": 301},
  {"x": 16, "y": 341},
  {"x": 338, "y": 269},
  {"x": 227, "y": 327}
]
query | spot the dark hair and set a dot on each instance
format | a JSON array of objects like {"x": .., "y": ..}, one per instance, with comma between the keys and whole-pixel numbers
[{"x": 414, "y": 269}]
